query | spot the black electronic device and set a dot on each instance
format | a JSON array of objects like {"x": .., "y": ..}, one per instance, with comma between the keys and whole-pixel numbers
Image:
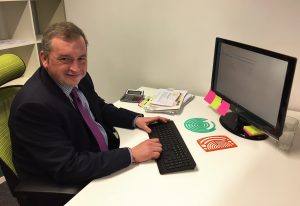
[
  {"x": 175, "y": 156},
  {"x": 257, "y": 84},
  {"x": 133, "y": 96}
]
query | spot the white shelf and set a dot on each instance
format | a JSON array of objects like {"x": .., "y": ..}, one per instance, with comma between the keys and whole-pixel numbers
[
  {"x": 22, "y": 23},
  {"x": 39, "y": 38},
  {"x": 11, "y": 0},
  {"x": 18, "y": 81},
  {"x": 12, "y": 43},
  {"x": 2, "y": 179}
]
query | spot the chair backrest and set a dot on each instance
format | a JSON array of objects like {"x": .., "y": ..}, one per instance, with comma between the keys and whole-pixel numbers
[
  {"x": 11, "y": 67},
  {"x": 7, "y": 95}
]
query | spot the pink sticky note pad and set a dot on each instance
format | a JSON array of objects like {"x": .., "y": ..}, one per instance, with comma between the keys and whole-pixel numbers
[
  {"x": 224, "y": 107},
  {"x": 210, "y": 96}
]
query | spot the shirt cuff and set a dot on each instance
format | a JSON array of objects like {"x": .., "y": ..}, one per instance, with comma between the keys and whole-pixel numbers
[
  {"x": 132, "y": 159},
  {"x": 139, "y": 115}
]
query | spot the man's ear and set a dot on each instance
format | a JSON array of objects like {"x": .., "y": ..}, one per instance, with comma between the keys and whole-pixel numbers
[{"x": 44, "y": 59}]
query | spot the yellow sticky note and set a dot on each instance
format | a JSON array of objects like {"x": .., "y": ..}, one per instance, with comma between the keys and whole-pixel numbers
[
  {"x": 216, "y": 102},
  {"x": 252, "y": 131}
]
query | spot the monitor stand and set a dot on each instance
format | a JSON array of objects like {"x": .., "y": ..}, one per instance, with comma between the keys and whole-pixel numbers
[{"x": 234, "y": 124}]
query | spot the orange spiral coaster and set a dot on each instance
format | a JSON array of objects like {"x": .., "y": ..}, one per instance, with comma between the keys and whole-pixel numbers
[{"x": 213, "y": 143}]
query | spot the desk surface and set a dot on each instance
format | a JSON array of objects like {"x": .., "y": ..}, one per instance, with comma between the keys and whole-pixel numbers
[{"x": 254, "y": 173}]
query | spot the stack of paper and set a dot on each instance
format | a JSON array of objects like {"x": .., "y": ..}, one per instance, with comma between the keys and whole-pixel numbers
[{"x": 167, "y": 101}]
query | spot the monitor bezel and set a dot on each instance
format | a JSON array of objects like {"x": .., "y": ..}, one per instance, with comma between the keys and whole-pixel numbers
[{"x": 246, "y": 115}]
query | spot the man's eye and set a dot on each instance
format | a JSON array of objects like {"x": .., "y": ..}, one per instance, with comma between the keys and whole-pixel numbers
[
  {"x": 65, "y": 60},
  {"x": 82, "y": 59}
]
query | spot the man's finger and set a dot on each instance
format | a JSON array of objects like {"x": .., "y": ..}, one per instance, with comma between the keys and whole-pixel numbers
[{"x": 147, "y": 129}]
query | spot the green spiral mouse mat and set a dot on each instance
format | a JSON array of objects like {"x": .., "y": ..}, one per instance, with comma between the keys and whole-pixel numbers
[{"x": 200, "y": 125}]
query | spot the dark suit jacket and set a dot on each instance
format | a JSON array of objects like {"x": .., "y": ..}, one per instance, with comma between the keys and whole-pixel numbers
[{"x": 51, "y": 140}]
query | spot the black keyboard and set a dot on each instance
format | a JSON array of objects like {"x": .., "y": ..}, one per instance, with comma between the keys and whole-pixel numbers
[{"x": 175, "y": 155}]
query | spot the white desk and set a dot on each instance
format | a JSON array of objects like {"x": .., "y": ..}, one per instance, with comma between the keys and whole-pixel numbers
[{"x": 255, "y": 173}]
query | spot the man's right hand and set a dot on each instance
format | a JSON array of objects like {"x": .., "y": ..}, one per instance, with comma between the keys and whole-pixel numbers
[{"x": 146, "y": 150}]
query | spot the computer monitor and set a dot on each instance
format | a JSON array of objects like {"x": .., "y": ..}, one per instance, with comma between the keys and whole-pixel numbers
[{"x": 257, "y": 84}]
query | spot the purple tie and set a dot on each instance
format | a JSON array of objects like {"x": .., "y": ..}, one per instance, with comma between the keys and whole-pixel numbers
[{"x": 89, "y": 121}]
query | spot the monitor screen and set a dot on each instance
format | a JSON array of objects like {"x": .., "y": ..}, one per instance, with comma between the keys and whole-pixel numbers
[{"x": 256, "y": 82}]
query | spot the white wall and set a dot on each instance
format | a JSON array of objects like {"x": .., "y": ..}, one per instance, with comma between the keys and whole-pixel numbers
[{"x": 170, "y": 43}]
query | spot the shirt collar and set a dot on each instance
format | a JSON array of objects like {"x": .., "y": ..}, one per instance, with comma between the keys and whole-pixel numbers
[{"x": 66, "y": 89}]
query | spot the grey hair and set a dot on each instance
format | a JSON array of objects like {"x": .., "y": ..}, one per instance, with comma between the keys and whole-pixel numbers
[{"x": 64, "y": 30}]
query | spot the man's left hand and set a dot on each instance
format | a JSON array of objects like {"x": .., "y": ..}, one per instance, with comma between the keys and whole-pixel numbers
[{"x": 143, "y": 122}]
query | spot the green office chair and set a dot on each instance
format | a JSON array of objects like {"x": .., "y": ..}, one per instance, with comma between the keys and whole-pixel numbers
[{"x": 29, "y": 192}]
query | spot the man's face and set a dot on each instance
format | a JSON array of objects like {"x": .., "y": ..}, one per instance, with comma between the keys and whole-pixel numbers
[{"x": 67, "y": 61}]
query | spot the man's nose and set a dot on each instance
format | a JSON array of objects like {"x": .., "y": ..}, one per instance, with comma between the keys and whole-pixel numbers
[{"x": 74, "y": 66}]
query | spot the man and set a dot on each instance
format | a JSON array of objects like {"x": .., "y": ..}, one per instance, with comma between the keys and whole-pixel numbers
[{"x": 50, "y": 137}]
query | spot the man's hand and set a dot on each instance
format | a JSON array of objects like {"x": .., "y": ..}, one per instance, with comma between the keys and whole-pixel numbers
[
  {"x": 143, "y": 122},
  {"x": 146, "y": 150},
  {"x": 150, "y": 148}
]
